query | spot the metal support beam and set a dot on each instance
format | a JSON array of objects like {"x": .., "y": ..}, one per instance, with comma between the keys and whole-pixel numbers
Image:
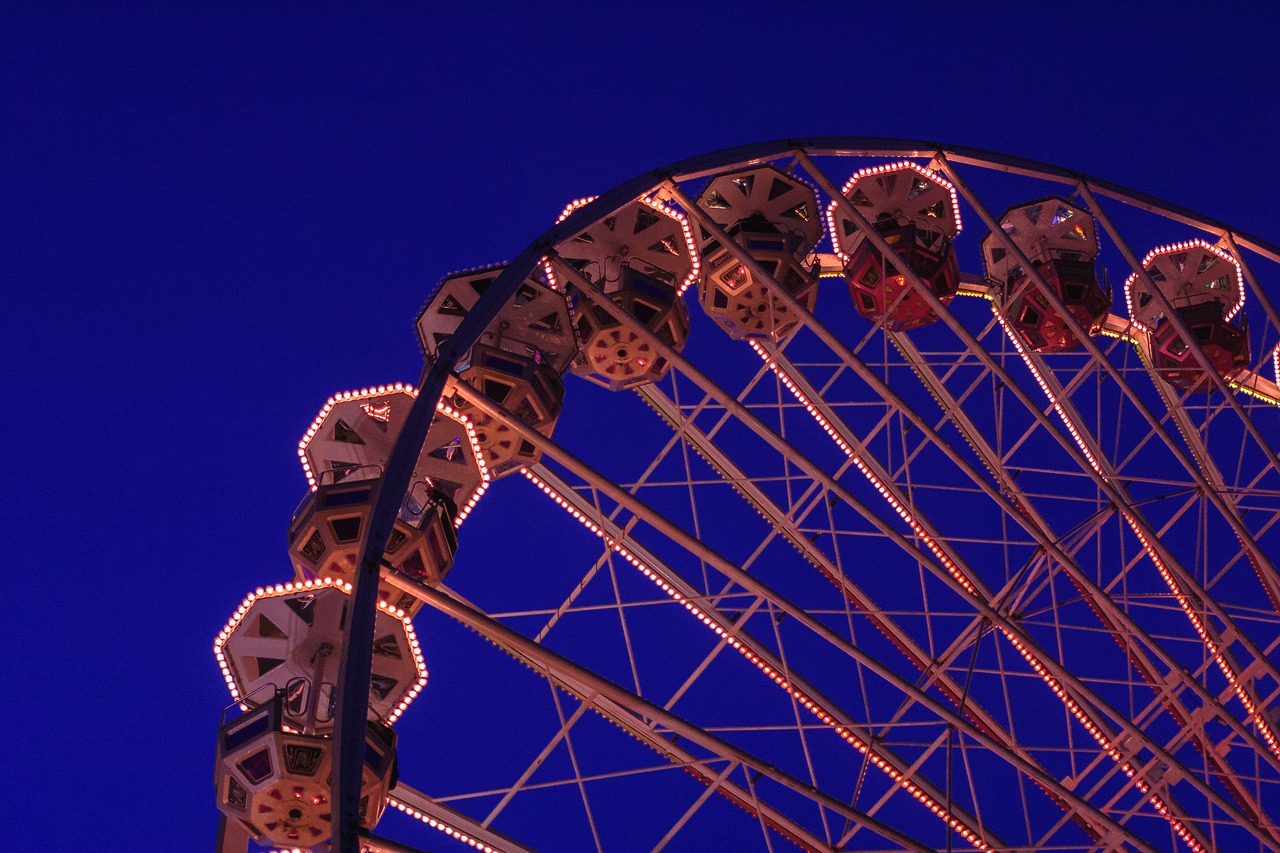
[
  {"x": 1096, "y": 463},
  {"x": 411, "y": 801},
  {"x": 1105, "y": 476},
  {"x": 972, "y": 582},
  {"x": 354, "y": 670},
  {"x": 986, "y": 731},
  {"x": 1133, "y": 734},
  {"x": 643, "y": 718},
  {"x": 1074, "y": 690}
]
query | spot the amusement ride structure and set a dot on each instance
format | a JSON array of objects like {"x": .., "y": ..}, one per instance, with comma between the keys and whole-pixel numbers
[{"x": 944, "y": 520}]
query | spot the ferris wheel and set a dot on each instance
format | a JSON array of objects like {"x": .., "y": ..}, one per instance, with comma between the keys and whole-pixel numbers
[{"x": 916, "y": 498}]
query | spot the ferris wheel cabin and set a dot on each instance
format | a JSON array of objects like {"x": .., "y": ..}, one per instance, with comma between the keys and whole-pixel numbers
[
  {"x": 325, "y": 533},
  {"x": 1203, "y": 284},
  {"x": 775, "y": 218},
  {"x": 1061, "y": 242},
  {"x": 643, "y": 258},
  {"x": 344, "y": 454},
  {"x": 517, "y": 364},
  {"x": 916, "y": 213},
  {"x": 275, "y": 782}
]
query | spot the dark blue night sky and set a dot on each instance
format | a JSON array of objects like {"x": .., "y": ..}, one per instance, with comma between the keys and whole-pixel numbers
[{"x": 214, "y": 215}]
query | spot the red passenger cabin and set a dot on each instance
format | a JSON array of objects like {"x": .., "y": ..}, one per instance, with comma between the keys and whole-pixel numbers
[
  {"x": 1203, "y": 285},
  {"x": 916, "y": 214},
  {"x": 1060, "y": 240},
  {"x": 1225, "y": 344}
]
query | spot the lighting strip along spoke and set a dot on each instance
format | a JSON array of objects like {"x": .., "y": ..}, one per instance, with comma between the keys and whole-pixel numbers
[
  {"x": 959, "y": 723},
  {"x": 1114, "y": 489},
  {"x": 440, "y": 817},
  {"x": 453, "y": 823},
  {"x": 740, "y": 641},
  {"x": 1180, "y": 584},
  {"x": 682, "y": 425},
  {"x": 1216, "y": 650},
  {"x": 952, "y": 410},
  {"x": 1025, "y": 647},
  {"x": 749, "y": 604},
  {"x": 694, "y": 546},
  {"x": 585, "y": 509},
  {"x": 1114, "y": 619},
  {"x": 786, "y": 525},
  {"x": 1057, "y": 675},
  {"x": 663, "y": 575},
  {"x": 934, "y": 671},
  {"x": 1141, "y": 719},
  {"x": 642, "y": 480},
  {"x": 1189, "y": 726},
  {"x": 646, "y": 722},
  {"x": 966, "y": 579},
  {"x": 564, "y": 607}
]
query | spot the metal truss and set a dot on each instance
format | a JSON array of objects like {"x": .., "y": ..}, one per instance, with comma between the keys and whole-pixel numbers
[{"x": 881, "y": 590}]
